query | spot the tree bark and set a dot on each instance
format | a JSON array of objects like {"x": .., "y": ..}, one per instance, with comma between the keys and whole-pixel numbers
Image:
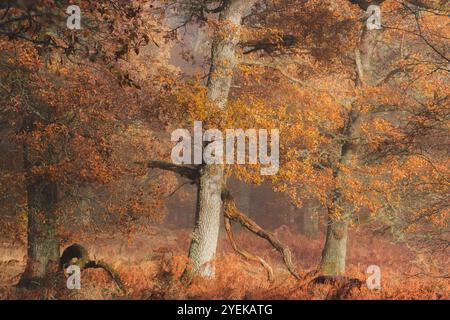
[
  {"x": 43, "y": 243},
  {"x": 203, "y": 246},
  {"x": 335, "y": 249}
]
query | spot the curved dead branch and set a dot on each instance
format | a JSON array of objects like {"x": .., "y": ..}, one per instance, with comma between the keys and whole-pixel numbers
[
  {"x": 233, "y": 214},
  {"x": 81, "y": 255},
  {"x": 244, "y": 253},
  {"x": 110, "y": 270}
]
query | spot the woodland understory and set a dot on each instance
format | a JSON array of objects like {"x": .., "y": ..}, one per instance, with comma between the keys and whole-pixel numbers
[{"x": 152, "y": 262}]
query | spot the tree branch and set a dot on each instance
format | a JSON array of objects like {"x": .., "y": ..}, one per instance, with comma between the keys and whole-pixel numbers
[
  {"x": 189, "y": 172},
  {"x": 233, "y": 214},
  {"x": 244, "y": 253}
]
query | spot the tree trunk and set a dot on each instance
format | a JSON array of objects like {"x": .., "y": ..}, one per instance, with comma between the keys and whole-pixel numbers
[
  {"x": 335, "y": 249},
  {"x": 243, "y": 200},
  {"x": 42, "y": 197},
  {"x": 245, "y": 197},
  {"x": 310, "y": 223},
  {"x": 205, "y": 236},
  {"x": 206, "y": 231},
  {"x": 334, "y": 253},
  {"x": 43, "y": 244}
]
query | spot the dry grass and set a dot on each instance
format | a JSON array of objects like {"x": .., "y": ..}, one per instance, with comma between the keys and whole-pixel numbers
[{"x": 151, "y": 264}]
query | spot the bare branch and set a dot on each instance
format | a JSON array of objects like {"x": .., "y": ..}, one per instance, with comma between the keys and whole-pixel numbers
[
  {"x": 233, "y": 214},
  {"x": 189, "y": 172}
]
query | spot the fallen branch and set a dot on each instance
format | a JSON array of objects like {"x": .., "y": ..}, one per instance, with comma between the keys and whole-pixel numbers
[
  {"x": 111, "y": 271},
  {"x": 83, "y": 261},
  {"x": 244, "y": 253},
  {"x": 233, "y": 214}
]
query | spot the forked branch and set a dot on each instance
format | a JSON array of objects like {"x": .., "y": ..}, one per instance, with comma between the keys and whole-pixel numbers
[
  {"x": 244, "y": 253},
  {"x": 233, "y": 214}
]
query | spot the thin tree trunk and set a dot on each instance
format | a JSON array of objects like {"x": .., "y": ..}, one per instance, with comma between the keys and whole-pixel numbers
[
  {"x": 205, "y": 236},
  {"x": 245, "y": 197},
  {"x": 310, "y": 223},
  {"x": 243, "y": 200}
]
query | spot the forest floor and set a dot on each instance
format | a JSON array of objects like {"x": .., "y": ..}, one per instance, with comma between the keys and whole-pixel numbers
[{"x": 151, "y": 262}]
